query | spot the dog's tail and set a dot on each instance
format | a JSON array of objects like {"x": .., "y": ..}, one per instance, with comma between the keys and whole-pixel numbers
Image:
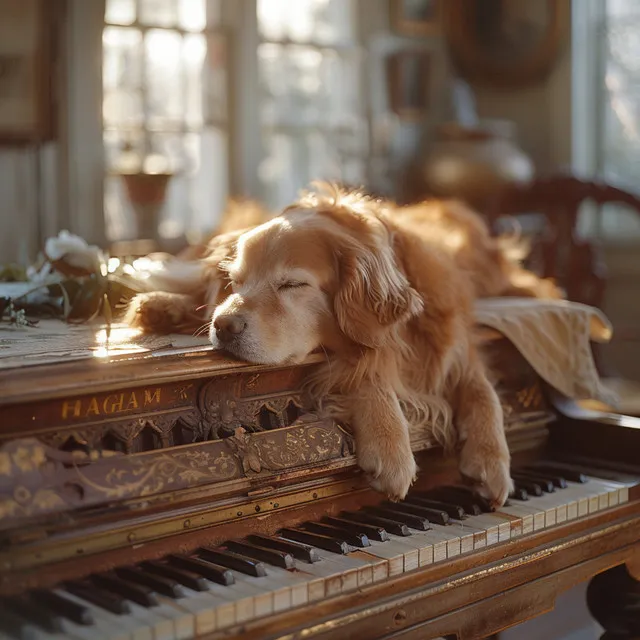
[{"x": 514, "y": 249}]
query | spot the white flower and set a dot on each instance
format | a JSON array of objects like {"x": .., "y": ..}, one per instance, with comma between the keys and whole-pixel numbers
[{"x": 75, "y": 252}]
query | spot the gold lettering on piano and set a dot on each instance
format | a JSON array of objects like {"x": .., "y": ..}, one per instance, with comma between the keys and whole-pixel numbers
[
  {"x": 71, "y": 408},
  {"x": 112, "y": 404},
  {"x": 151, "y": 398},
  {"x": 94, "y": 409}
]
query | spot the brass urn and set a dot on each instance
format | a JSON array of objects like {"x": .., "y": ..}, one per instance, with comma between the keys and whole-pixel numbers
[{"x": 475, "y": 163}]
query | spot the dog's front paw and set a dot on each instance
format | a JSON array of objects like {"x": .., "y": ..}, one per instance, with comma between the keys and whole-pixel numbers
[
  {"x": 488, "y": 470},
  {"x": 155, "y": 312},
  {"x": 391, "y": 469}
]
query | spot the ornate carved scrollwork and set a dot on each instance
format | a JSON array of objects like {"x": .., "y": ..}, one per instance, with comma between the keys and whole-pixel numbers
[
  {"x": 221, "y": 408},
  {"x": 290, "y": 448}
]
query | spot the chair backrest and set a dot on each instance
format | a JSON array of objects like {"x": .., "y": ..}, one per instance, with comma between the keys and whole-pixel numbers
[{"x": 558, "y": 251}]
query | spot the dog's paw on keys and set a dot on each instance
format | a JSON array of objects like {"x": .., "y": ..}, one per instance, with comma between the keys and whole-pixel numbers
[
  {"x": 390, "y": 470},
  {"x": 488, "y": 471}
]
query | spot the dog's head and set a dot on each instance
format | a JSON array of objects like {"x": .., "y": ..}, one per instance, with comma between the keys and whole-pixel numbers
[{"x": 324, "y": 274}]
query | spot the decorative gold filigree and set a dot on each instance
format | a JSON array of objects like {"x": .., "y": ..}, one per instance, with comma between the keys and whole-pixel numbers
[{"x": 300, "y": 446}]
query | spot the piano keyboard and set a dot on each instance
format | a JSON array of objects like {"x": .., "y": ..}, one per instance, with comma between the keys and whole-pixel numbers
[{"x": 182, "y": 597}]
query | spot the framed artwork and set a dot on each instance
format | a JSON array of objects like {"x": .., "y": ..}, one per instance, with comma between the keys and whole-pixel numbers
[
  {"x": 416, "y": 17},
  {"x": 26, "y": 37},
  {"x": 409, "y": 83},
  {"x": 509, "y": 43}
]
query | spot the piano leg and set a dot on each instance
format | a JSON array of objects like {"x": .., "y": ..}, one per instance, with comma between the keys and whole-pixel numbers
[{"x": 613, "y": 598}]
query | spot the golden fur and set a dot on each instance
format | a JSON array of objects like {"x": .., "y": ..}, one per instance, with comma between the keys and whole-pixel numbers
[{"x": 388, "y": 294}]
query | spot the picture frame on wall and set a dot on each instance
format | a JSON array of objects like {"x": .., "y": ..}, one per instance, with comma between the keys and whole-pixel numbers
[
  {"x": 416, "y": 17},
  {"x": 409, "y": 84},
  {"x": 506, "y": 44},
  {"x": 26, "y": 38}
]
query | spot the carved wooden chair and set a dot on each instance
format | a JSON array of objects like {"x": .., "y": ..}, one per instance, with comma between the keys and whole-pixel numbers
[{"x": 558, "y": 251}]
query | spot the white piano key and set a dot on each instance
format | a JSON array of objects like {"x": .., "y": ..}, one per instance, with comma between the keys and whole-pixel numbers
[
  {"x": 423, "y": 544},
  {"x": 375, "y": 570},
  {"x": 106, "y": 624},
  {"x": 472, "y": 531},
  {"x": 447, "y": 534},
  {"x": 526, "y": 517},
  {"x": 604, "y": 489},
  {"x": 391, "y": 551},
  {"x": 339, "y": 573},
  {"x": 499, "y": 527}
]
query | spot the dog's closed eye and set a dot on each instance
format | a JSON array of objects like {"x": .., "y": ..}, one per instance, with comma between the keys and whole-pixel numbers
[{"x": 292, "y": 284}]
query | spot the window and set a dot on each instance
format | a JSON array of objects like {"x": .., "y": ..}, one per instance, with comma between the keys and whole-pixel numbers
[
  {"x": 312, "y": 113},
  {"x": 606, "y": 43},
  {"x": 164, "y": 115},
  {"x": 165, "y": 68}
]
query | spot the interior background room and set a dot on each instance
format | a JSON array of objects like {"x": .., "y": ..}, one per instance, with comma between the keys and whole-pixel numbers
[
  {"x": 256, "y": 97},
  {"x": 124, "y": 120}
]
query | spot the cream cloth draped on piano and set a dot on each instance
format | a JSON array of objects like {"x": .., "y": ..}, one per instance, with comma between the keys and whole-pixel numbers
[{"x": 554, "y": 336}]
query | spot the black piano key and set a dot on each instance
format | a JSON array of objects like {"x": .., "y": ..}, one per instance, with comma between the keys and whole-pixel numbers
[
  {"x": 454, "y": 511},
  {"x": 559, "y": 481},
  {"x": 232, "y": 560},
  {"x": 519, "y": 493},
  {"x": 531, "y": 487},
  {"x": 296, "y": 549},
  {"x": 16, "y": 627},
  {"x": 372, "y": 532},
  {"x": 410, "y": 519},
  {"x": 461, "y": 489},
  {"x": 357, "y": 539},
  {"x": 275, "y": 557},
  {"x": 34, "y": 612},
  {"x": 574, "y": 475},
  {"x": 395, "y": 527},
  {"x": 183, "y": 576},
  {"x": 165, "y": 586},
  {"x": 545, "y": 484},
  {"x": 316, "y": 540},
  {"x": 135, "y": 592},
  {"x": 102, "y": 598},
  {"x": 63, "y": 606},
  {"x": 433, "y": 515},
  {"x": 468, "y": 503},
  {"x": 209, "y": 570}
]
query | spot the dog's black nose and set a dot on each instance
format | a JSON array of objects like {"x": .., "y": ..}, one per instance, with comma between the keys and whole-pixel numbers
[{"x": 229, "y": 327}]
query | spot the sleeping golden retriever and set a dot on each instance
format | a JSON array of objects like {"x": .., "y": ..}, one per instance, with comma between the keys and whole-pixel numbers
[{"x": 387, "y": 293}]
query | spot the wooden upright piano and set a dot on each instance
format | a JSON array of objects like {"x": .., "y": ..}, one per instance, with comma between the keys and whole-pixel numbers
[{"x": 154, "y": 491}]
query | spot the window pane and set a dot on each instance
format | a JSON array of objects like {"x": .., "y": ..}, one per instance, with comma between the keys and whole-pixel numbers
[
  {"x": 192, "y": 14},
  {"x": 215, "y": 79},
  {"x": 306, "y": 86},
  {"x": 194, "y": 51},
  {"x": 121, "y": 58},
  {"x": 120, "y": 11},
  {"x": 165, "y": 87},
  {"x": 322, "y": 21},
  {"x": 292, "y": 161},
  {"x": 122, "y": 104},
  {"x": 161, "y": 13},
  {"x": 209, "y": 182}
]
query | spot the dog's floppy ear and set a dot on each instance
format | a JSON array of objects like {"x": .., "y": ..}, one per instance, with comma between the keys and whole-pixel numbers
[
  {"x": 222, "y": 248},
  {"x": 374, "y": 295}
]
